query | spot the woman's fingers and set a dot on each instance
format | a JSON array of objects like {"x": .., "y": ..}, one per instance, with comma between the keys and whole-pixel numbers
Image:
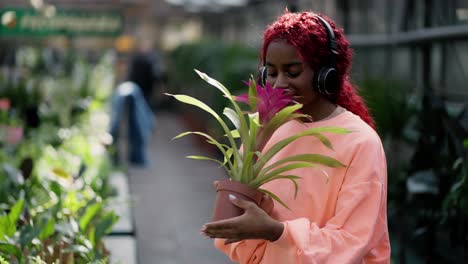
[
  {"x": 240, "y": 202},
  {"x": 267, "y": 204},
  {"x": 222, "y": 224},
  {"x": 248, "y": 225}
]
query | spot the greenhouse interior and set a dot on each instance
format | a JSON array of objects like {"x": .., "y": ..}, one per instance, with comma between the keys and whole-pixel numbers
[{"x": 95, "y": 162}]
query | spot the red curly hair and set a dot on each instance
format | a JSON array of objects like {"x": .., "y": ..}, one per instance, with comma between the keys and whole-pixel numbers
[{"x": 308, "y": 35}]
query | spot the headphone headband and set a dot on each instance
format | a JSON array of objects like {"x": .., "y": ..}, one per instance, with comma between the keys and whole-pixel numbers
[{"x": 331, "y": 41}]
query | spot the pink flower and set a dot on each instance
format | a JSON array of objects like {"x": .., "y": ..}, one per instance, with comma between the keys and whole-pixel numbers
[
  {"x": 11, "y": 135},
  {"x": 14, "y": 135},
  {"x": 4, "y": 104},
  {"x": 269, "y": 101}
]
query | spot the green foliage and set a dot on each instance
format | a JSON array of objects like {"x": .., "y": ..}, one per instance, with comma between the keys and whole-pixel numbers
[
  {"x": 54, "y": 184},
  {"x": 425, "y": 149},
  {"x": 3, "y": 261},
  {"x": 390, "y": 106},
  {"x": 248, "y": 165}
]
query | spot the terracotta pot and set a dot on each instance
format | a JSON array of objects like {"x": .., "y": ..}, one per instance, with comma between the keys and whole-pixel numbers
[{"x": 223, "y": 208}]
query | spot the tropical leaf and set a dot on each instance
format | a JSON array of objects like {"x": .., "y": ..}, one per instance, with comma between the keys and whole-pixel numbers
[
  {"x": 16, "y": 210},
  {"x": 246, "y": 173},
  {"x": 316, "y": 132},
  {"x": 193, "y": 101},
  {"x": 311, "y": 158},
  {"x": 243, "y": 130},
  {"x": 90, "y": 212},
  {"x": 232, "y": 115},
  {"x": 48, "y": 228},
  {"x": 234, "y": 133},
  {"x": 288, "y": 167},
  {"x": 195, "y": 157},
  {"x": 253, "y": 93},
  {"x": 11, "y": 250},
  {"x": 262, "y": 180},
  {"x": 276, "y": 198},
  {"x": 269, "y": 109},
  {"x": 213, "y": 141},
  {"x": 214, "y": 83}
]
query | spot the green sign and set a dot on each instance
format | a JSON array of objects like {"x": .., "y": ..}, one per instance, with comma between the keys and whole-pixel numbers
[{"x": 29, "y": 22}]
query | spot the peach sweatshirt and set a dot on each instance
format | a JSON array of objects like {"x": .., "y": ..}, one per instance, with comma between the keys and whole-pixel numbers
[{"x": 340, "y": 221}]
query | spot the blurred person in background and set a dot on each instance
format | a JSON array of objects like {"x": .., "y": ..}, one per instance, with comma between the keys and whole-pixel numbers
[
  {"x": 340, "y": 221},
  {"x": 146, "y": 71},
  {"x": 133, "y": 98}
]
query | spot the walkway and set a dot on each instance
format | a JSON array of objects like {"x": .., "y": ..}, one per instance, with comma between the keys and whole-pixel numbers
[{"x": 172, "y": 199}]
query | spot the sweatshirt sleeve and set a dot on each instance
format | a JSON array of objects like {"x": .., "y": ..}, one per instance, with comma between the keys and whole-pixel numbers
[
  {"x": 245, "y": 252},
  {"x": 359, "y": 222},
  {"x": 357, "y": 226}
]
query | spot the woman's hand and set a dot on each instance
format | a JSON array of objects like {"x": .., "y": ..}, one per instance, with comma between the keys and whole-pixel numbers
[{"x": 255, "y": 223}]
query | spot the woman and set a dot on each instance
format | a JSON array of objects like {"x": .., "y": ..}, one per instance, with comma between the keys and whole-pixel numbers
[{"x": 340, "y": 221}]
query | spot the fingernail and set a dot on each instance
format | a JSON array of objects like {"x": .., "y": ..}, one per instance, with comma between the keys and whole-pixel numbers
[{"x": 232, "y": 197}]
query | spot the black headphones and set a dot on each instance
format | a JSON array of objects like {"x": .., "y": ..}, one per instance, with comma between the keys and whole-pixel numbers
[{"x": 326, "y": 78}]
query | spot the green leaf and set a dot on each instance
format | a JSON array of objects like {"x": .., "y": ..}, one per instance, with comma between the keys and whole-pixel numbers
[
  {"x": 232, "y": 115},
  {"x": 105, "y": 226},
  {"x": 311, "y": 158},
  {"x": 234, "y": 133},
  {"x": 284, "y": 115},
  {"x": 204, "y": 158},
  {"x": 214, "y": 83},
  {"x": 260, "y": 181},
  {"x": 90, "y": 212},
  {"x": 316, "y": 132},
  {"x": 15, "y": 212},
  {"x": 228, "y": 156},
  {"x": 247, "y": 173},
  {"x": 213, "y": 141},
  {"x": 288, "y": 167},
  {"x": 11, "y": 250},
  {"x": 29, "y": 233},
  {"x": 254, "y": 124},
  {"x": 253, "y": 93},
  {"x": 193, "y": 101},
  {"x": 47, "y": 229},
  {"x": 72, "y": 202},
  {"x": 6, "y": 227},
  {"x": 276, "y": 198},
  {"x": 8, "y": 222},
  {"x": 243, "y": 130}
]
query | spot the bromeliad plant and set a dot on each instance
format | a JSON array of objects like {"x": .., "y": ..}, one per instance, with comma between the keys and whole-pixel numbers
[{"x": 247, "y": 161}]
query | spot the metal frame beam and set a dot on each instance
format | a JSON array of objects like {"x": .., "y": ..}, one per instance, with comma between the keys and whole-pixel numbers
[{"x": 415, "y": 37}]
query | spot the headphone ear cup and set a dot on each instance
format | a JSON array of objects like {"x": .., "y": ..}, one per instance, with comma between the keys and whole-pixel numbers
[{"x": 326, "y": 81}]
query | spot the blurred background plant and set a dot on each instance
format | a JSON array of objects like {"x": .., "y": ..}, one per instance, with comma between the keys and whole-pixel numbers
[
  {"x": 426, "y": 158},
  {"x": 54, "y": 182}
]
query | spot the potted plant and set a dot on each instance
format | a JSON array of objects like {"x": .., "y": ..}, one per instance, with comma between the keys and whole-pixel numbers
[{"x": 246, "y": 162}]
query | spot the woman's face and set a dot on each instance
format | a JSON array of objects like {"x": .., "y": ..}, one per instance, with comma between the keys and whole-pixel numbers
[{"x": 287, "y": 70}]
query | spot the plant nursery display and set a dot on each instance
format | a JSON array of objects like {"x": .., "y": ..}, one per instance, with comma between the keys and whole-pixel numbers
[
  {"x": 245, "y": 160},
  {"x": 54, "y": 190}
]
